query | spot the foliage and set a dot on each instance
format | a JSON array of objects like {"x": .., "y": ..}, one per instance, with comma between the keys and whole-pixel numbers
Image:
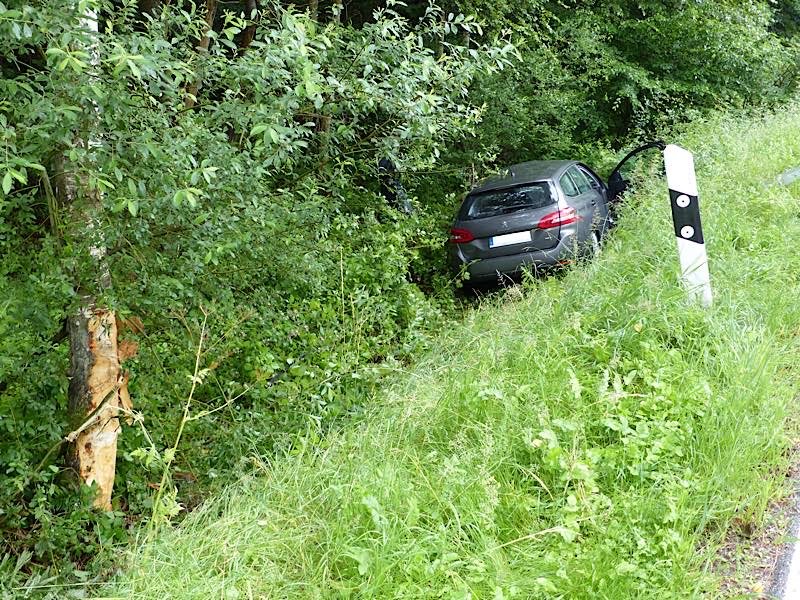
[
  {"x": 239, "y": 182},
  {"x": 609, "y": 70},
  {"x": 590, "y": 436}
]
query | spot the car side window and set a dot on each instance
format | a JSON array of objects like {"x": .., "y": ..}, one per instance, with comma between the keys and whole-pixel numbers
[
  {"x": 593, "y": 182},
  {"x": 581, "y": 182},
  {"x": 566, "y": 183}
]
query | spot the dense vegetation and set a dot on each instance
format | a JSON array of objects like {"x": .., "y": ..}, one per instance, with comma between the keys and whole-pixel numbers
[
  {"x": 237, "y": 168},
  {"x": 591, "y": 436}
]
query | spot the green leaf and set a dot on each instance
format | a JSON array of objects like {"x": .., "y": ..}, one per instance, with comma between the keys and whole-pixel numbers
[
  {"x": 133, "y": 206},
  {"x": 7, "y": 182},
  {"x": 179, "y": 197},
  {"x": 134, "y": 69},
  {"x": 363, "y": 558},
  {"x": 76, "y": 64},
  {"x": 312, "y": 89}
]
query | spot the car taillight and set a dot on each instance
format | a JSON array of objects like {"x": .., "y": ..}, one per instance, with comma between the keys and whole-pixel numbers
[
  {"x": 461, "y": 236},
  {"x": 563, "y": 216}
]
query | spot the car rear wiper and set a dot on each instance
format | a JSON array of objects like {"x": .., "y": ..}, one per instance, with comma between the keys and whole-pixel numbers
[{"x": 511, "y": 209}]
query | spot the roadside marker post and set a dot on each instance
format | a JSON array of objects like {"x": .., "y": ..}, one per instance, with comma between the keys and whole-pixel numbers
[{"x": 682, "y": 183}]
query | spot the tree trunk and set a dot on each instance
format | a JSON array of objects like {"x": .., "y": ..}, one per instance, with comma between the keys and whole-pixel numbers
[
  {"x": 96, "y": 389},
  {"x": 249, "y": 33},
  {"x": 438, "y": 44},
  {"x": 202, "y": 47},
  {"x": 97, "y": 386}
]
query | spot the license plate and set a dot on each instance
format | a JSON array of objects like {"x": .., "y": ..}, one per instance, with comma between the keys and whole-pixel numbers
[{"x": 509, "y": 239}]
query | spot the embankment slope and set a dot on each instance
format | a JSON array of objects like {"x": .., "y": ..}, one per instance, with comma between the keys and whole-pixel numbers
[{"x": 593, "y": 436}]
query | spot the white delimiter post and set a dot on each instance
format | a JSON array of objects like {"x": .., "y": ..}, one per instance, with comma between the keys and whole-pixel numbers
[{"x": 682, "y": 184}]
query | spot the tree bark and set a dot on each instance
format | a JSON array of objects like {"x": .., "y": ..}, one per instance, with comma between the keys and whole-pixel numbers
[
  {"x": 202, "y": 47},
  {"x": 96, "y": 389}
]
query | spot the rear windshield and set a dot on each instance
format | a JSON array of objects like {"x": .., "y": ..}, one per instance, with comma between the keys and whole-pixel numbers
[{"x": 498, "y": 202}]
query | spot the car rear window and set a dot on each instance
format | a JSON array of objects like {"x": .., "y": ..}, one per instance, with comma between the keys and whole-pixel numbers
[{"x": 498, "y": 202}]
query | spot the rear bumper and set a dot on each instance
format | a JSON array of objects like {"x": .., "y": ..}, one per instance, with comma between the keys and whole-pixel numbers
[{"x": 488, "y": 268}]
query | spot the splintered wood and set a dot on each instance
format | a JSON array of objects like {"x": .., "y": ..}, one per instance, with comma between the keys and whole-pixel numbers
[{"x": 98, "y": 389}]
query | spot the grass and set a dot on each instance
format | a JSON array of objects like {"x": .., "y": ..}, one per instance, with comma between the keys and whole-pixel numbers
[{"x": 591, "y": 436}]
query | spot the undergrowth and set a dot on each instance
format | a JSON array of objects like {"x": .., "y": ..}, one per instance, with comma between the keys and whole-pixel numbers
[{"x": 590, "y": 436}]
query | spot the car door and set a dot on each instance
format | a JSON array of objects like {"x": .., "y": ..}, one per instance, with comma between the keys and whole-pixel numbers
[
  {"x": 601, "y": 204},
  {"x": 617, "y": 184},
  {"x": 580, "y": 196}
]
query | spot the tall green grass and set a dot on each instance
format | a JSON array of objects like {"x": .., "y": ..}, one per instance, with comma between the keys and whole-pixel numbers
[{"x": 591, "y": 436}]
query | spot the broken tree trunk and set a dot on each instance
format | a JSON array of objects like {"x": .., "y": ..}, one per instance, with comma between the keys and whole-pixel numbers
[
  {"x": 97, "y": 384},
  {"x": 97, "y": 387}
]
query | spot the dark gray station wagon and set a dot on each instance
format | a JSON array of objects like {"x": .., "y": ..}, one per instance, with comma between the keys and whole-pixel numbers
[{"x": 535, "y": 214}]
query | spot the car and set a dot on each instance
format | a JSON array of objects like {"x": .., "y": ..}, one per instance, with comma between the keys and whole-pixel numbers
[
  {"x": 537, "y": 214},
  {"x": 534, "y": 215}
]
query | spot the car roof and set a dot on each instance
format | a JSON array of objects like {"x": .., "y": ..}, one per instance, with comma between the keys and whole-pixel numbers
[{"x": 527, "y": 172}]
